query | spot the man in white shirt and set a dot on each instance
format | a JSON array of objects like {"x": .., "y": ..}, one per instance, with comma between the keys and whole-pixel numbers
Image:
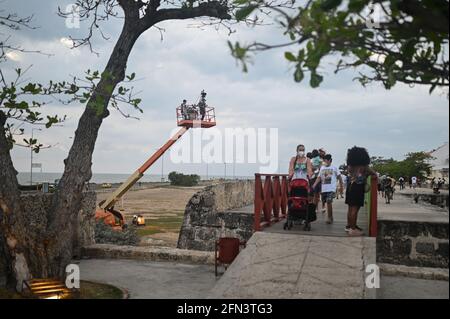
[
  {"x": 414, "y": 181},
  {"x": 329, "y": 175}
]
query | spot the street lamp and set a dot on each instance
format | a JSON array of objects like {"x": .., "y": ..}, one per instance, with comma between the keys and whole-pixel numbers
[
  {"x": 162, "y": 165},
  {"x": 234, "y": 170},
  {"x": 225, "y": 172},
  {"x": 31, "y": 154}
]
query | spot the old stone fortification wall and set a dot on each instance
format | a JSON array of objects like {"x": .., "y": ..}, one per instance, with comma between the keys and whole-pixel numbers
[
  {"x": 36, "y": 204},
  {"x": 208, "y": 215},
  {"x": 422, "y": 244}
]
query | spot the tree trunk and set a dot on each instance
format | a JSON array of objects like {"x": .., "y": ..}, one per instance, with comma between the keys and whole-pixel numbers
[
  {"x": 16, "y": 246},
  {"x": 42, "y": 252},
  {"x": 78, "y": 164},
  {"x": 39, "y": 254}
]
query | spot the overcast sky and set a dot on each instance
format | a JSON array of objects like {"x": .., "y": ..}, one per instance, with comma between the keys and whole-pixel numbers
[{"x": 336, "y": 116}]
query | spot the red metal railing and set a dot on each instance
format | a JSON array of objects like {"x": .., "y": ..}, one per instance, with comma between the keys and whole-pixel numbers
[{"x": 270, "y": 204}]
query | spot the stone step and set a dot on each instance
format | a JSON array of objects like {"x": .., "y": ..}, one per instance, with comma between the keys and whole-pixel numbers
[{"x": 148, "y": 253}]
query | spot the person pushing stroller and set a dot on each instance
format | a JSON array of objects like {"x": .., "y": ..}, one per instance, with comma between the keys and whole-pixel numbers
[{"x": 300, "y": 201}]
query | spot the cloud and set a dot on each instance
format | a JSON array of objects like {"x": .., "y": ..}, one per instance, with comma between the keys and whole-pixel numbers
[{"x": 336, "y": 116}]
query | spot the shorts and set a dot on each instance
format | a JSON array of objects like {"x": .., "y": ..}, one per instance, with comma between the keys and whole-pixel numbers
[
  {"x": 318, "y": 188},
  {"x": 354, "y": 195},
  {"x": 328, "y": 197}
]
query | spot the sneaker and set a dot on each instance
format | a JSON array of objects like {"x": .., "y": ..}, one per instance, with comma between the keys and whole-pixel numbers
[
  {"x": 358, "y": 228},
  {"x": 347, "y": 229},
  {"x": 355, "y": 233},
  {"x": 324, "y": 210}
]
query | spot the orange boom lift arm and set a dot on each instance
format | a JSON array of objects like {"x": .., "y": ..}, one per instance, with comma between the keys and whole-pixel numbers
[
  {"x": 119, "y": 192},
  {"x": 187, "y": 117}
]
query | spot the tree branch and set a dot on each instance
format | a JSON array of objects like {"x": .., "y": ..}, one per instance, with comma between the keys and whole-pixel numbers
[{"x": 213, "y": 9}]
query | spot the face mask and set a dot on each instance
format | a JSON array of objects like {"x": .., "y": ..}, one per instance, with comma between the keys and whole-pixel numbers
[{"x": 301, "y": 153}]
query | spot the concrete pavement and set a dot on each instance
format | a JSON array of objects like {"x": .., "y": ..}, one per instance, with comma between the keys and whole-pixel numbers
[
  {"x": 156, "y": 280},
  {"x": 320, "y": 227},
  {"x": 404, "y": 208},
  {"x": 412, "y": 288},
  {"x": 276, "y": 265}
]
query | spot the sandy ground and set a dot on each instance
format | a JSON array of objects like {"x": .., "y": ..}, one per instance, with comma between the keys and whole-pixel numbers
[{"x": 163, "y": 209}]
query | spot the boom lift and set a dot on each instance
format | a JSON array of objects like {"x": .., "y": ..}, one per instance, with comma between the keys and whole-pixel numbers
[{"x": 188, "y": 116}]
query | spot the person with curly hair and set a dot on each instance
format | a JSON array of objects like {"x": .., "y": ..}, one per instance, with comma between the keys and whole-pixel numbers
[{"x": 358, "y": 161}]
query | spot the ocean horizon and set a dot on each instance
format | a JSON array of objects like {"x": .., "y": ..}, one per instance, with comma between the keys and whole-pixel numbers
[{"x": 98, "y": 178}]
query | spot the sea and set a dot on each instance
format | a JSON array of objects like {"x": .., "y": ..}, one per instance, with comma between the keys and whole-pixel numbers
[{"x": 38, "y": 177}]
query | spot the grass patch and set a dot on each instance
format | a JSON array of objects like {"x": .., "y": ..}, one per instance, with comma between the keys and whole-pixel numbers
[
  {"x": 161, "y": 225},
  {"x": 6, "y": 294},
  {"x": 91, "y": 290},
  {"x": 148, "y": 230}
]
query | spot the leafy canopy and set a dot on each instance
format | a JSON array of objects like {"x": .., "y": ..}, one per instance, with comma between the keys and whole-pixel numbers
[{"x": 386, "y": 41}]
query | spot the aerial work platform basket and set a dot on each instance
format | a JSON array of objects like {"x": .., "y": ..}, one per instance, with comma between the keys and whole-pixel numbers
[{"x": 190, "y": 116}]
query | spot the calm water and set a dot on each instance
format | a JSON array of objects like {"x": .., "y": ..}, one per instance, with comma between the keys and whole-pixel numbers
[{"x": 24, "y": 178}]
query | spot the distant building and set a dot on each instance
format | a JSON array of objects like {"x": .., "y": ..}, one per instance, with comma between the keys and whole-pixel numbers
[{"x": 440, "y": 162}]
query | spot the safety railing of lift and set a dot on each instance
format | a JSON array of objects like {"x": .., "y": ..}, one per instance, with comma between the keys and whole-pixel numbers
[
  {"x": 271, "y": 196},
  {"x": 371, "y": 202},
  {"x": 193, "y": 113}
]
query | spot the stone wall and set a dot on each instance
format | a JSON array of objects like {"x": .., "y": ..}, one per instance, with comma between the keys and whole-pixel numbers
[
  {"x": 36, "y": 204},
  {"x": 209, "y": 216},
  {"x": 423, "y": 244}
]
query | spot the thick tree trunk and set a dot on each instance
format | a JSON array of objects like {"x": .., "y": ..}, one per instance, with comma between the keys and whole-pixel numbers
[
  {"x": 78, "y": 164},
  {"x": 45, "y": 251},
  {"x": 40, "y": 254},
  {"x": 18, "y": 246}
]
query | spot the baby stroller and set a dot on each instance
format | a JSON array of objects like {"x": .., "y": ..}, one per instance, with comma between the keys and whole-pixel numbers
[{"x": 300, "y": 210}]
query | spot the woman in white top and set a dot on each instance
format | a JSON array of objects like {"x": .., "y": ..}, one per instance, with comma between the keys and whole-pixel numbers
[{"x": 300, "y": 166}]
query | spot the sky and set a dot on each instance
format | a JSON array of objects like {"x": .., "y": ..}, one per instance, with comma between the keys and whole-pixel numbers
[{"x": 336, "y": 116}]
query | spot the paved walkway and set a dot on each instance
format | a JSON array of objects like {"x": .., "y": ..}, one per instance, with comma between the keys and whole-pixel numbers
[
  {"x": 398, "y": 287},
  {"x": 320, "y": 227},
  {"x": 321, "y": 263},
  {"x": 150, "y": 279},
  {"x": 276, "y": 265},
  {"x": 404, "y": 208},
  {"x": 420, "y": 190}
]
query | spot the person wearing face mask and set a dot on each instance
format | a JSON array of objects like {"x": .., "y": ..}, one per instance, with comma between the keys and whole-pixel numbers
[{"x": 300, "y": 166}]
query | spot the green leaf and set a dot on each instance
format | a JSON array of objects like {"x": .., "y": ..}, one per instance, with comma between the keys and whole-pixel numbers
[
  {"x": 240, "y": 2},
  {"x": 290, "y": 57},
  {"x": 316, "y": 79},
  {"x": 299, "y": 75},
  {"x": 243, "y": 13}
]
